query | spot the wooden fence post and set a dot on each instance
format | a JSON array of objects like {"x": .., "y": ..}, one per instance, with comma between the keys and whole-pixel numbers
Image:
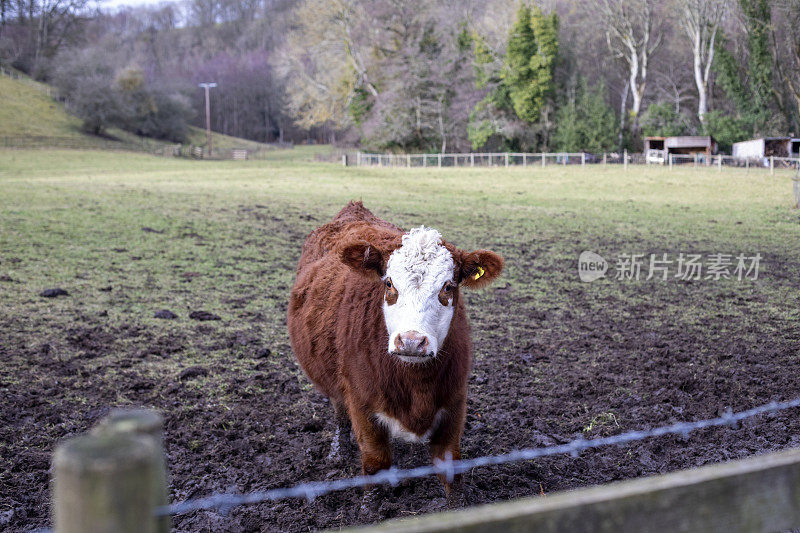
[
  {"x": 604, "y": 158},
  {"x": 625, "y": 159},
  {"x": 544, "y": 159},
  {"x": 719, "y": 163},
  {"x": 670, "y": 161},
  {"x": 113, "y": 478},
  {"x": 358, "y": 159},
  {"x": 564, "y": 162},
  {"x": 105, "y": 483},
  {"x": 772, "y": 164},
  {"x": 471, "y": 159},
  {"x": 506, "y": 159},
  {"x": 695, "y": 160},
  {"x": 524, "y": 159},
  {"x": 583, "y": 159},
  {"x": 344, "y": 160}
]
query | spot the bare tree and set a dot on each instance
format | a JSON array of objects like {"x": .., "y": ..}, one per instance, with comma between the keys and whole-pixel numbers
[
  {"x": 700, "y": 20},
  {"x": 322, "y": 62},
  {"x": 633, "y": 36}
]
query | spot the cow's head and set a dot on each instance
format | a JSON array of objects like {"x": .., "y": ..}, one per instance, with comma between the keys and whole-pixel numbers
[{"x": 421, "y": 277}]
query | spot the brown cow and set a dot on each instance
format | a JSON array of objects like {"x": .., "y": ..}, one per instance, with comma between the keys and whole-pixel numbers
[{"x": 377, "y": 323}]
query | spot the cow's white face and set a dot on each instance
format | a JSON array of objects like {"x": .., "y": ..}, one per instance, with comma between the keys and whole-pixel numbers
[{"x": 419, "y": 301}]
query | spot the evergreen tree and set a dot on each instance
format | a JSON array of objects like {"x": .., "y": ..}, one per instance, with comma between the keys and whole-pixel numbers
[
  {"x": 662, "y": 120},
  {"x": 520, "y": 84},
  {"x": 585, "y": 122},
  {"x": 757, "y": 18},
  {"x": 530, "y": 61},
  {"x": 750, "y": 89}
]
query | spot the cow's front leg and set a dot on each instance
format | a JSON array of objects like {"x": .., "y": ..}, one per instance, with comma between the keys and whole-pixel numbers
[
  {"x": 446, "y": 442},
  {"x": 376, "y": 455}
]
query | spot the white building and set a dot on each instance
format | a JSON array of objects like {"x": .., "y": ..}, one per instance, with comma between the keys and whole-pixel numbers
[{"x": 767, "y": 146}]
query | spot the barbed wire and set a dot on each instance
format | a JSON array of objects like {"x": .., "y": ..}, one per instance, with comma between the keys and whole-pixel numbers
[{"x": 449, "y": 467}]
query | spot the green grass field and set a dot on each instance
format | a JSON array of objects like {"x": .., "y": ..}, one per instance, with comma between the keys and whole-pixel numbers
[
  {"x": 64, "y": 213},
  {"x": 127, "y": 235}
]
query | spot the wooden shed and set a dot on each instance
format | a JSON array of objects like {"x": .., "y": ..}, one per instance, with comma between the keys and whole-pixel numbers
[
  {"x": 691, "y": 144},
  {"x": 658, "y": 149}
]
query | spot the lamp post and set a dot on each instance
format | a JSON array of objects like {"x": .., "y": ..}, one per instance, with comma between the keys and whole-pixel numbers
[{"x": 208, "y": 86}]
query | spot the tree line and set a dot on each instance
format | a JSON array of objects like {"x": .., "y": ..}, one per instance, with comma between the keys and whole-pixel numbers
[{"x": 452, "y": 75}]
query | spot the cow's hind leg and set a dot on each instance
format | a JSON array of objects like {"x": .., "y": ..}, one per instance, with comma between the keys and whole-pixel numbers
[{"x": 342, "y": 449}]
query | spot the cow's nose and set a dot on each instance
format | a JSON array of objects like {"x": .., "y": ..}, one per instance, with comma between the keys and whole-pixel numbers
[{"x": 411, "y": 343}]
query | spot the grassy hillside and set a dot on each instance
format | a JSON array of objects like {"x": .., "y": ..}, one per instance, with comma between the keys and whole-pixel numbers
[
  {"x": 29, "y": 116},
  {"x": 28, "y": 111}
]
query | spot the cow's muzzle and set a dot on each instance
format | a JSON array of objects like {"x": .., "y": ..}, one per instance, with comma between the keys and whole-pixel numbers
[{"x": 412, "y": 344}]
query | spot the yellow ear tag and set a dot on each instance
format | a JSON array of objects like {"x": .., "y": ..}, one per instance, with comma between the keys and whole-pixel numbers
[{"x": 479, "y": 273}]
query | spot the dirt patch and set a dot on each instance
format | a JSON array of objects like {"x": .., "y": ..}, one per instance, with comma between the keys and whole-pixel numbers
[
  {"x": 203, "y": 316},
  {"x": 240, "y": 417}
]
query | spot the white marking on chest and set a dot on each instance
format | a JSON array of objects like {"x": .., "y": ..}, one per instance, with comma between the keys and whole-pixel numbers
[{"x": 397, "y": 430}]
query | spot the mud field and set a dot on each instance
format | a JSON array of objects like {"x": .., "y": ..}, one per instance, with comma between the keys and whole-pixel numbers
[{"x": 555, "y": 359}]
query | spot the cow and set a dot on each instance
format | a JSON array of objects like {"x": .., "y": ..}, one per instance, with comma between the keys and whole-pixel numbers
[{"x": 378, "y": 324}]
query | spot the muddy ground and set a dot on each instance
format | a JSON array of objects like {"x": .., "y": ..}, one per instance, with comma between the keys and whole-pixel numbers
[{"x": 591, "y": 360}]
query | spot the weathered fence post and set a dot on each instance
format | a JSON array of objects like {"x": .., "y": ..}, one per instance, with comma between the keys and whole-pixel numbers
[
  {"x": 408, "y": 160},
  {"x": 583, "y": 159},
  {"x": 506, "y": 159},
  {"x": 796, "y": 190},
  {"x": 719, "y": 163},
  {"x": 772, "y": 164},
  {"x": 743, "y": 496},
  {"x": 358, "y": 159},
  {"x": 471, "y": 159},
  {"x": 564, "y": 162},
  {"x": 544, "y": 159},
  {"x": 148, "y": 423},
  {"x": 604, "y": 158},
  {"x": 113, "y": 479},
  {"x": 625, "y": 159},
  {"x": 695, "y": 160},
  {"x": 670, "y": 161},
  {"x": 524, "y": 159},
  {"x": 439, "y": 157},
  {"x": 344, "y": 160}
]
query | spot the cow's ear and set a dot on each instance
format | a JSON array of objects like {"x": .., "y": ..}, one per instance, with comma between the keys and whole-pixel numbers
[
  {"x": 363, "y": 257},
  {"x": 480, "y": 268}
]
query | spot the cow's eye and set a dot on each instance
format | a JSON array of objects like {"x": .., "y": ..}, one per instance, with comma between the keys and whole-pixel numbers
[
  {"x": 388, "y": 284},
  {"x": 447, "y": 287}
]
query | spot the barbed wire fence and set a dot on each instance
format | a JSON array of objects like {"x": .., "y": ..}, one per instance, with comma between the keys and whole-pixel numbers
[{"x": 449, "y": 467}]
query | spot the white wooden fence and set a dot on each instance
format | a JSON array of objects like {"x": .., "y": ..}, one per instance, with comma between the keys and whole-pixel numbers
[{"x": 524, "y": 159}]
